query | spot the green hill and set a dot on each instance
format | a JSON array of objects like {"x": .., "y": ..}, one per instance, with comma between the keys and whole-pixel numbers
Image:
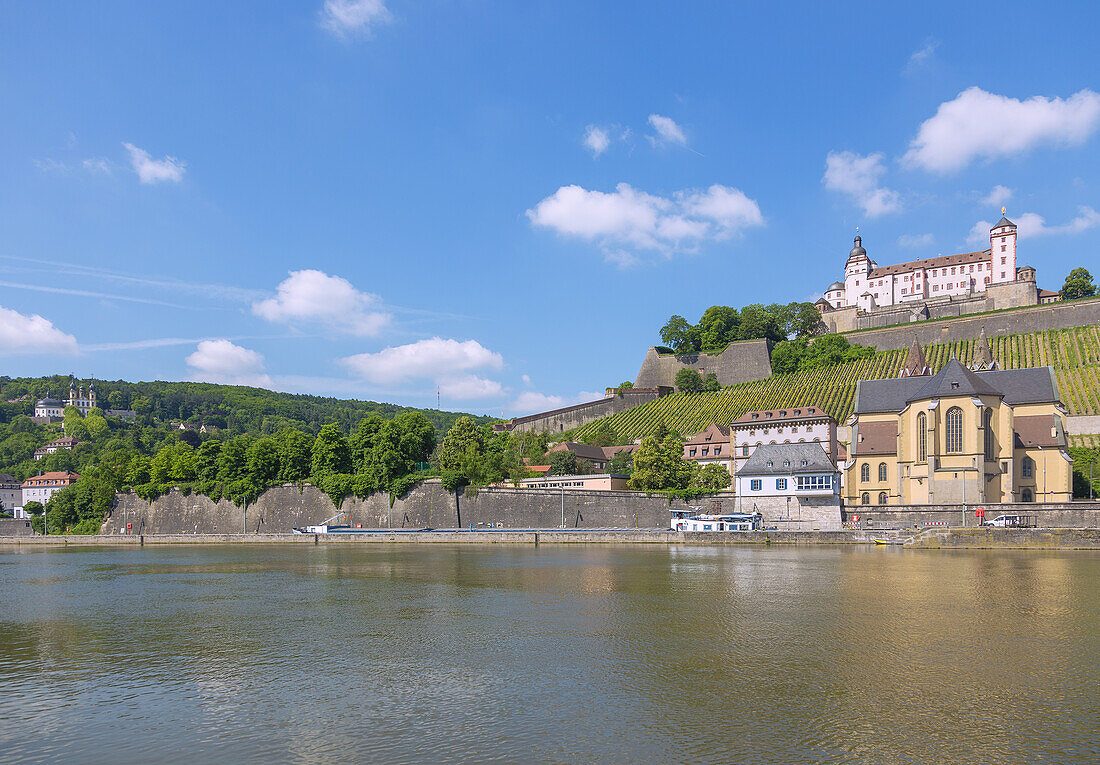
[{"x": 1074, "y": 353}]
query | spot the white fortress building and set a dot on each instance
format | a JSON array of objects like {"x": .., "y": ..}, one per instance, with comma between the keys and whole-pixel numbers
[{"x": 968, "y": 282}]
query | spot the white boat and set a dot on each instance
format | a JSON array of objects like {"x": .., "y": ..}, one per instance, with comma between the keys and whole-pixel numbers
[{"x": 684, "y": 521}]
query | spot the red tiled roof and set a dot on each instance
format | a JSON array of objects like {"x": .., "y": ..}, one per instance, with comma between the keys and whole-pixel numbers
[
  {"x": 1035, "y": 431},
  {"x": 57, "y": 476},
  {"x": 936, "y": 262},
  {"x": 782, "y": 415},
  {"x": 714, "y": 434}
]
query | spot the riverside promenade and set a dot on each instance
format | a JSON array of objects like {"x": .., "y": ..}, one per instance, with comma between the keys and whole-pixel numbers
[{"x": 935, "y": 538}]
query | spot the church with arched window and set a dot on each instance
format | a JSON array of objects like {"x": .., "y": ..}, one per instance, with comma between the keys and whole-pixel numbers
[{"x": 959, "y": 437}]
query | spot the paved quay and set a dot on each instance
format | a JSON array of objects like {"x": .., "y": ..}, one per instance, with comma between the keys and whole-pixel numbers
[{"x": 938, "y": 538}]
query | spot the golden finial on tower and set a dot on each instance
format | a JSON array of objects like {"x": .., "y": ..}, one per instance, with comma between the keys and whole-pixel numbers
[{"x": 1002, "y": 209}]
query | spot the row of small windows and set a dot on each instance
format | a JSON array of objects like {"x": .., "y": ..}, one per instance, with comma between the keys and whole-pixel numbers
[
  {"x": 802, "y": 482},
  {"x": 865, "y": 472},
  {"x": 865, "y": 498}
]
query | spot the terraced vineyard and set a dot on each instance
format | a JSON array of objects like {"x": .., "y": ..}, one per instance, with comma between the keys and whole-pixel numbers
[{"x": 1074, "y": 354}]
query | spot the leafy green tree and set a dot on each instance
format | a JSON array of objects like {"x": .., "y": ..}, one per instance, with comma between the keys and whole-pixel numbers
[
  {"x": 718, "y": 327},
  {"x": 142, "y": 406},
  {"x": 116, "y": 400},
  {"x": 621, "y": 464},
  {"x": 361, "y": 442},
  {"x": 206, "y": 460},
  {"x": 688, "y": 381},
  {"x": 1078, "y": 285},
  {"x": 563, "y": 463},
  {"x": 710, "y": 383},
  {"x": 680, "y": 335},
  {"x": 233, "y": 459},
  {"x": 626, "y": 385},
  {"x": 530, "y": 444},
  {"x": 787, "y": 355},
  {"x": 191, "y": 438},
  {"x": 295, "y": 455},
  {"x": 463, "y": 442},
  {"x": 263, "y": 462},
  {"x": 758, "y": 322},
  {"x": 139, "y": 471},
  {"x": 712, "y": 478},
  {"x": 96, "y": 426},
  {"x": 660, "y": 465},
  {"x": 418, "y": 436},
  {"x": 805, "y": 320},
  {"x": 331, "y": 453}
]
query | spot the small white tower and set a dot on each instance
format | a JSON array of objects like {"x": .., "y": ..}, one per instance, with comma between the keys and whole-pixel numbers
[
  {"x": 1002, "y": 250},
  {"x": 856, "y": 271}
]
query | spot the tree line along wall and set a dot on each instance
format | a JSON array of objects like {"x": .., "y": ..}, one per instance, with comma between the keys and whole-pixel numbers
[{"x": 567, "y": 418}]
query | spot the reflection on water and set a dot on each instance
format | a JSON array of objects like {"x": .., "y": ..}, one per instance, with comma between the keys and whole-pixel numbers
[{"x": 550, "y": 654}]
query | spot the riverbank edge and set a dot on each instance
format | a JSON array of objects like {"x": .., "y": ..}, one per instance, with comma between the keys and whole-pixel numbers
[{"x": 962, "y": 538}]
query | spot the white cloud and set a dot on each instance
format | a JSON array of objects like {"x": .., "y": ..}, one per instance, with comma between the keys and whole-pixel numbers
[
  {"x": 49, "y": 165},
  {"x": 20, "y": 333},
  {"x": 314, "y": 296},
  {"x": 858, "y": 177},
  {"x": 667, "y": 129},
  {"x": 97, "y": 165},
  {"x": 151, "y": 170},
  {"x": 1033, "y": 224},
  {"x": 914, "y": 241},
  {"x": 977, "y": 124},
  {"x": 469, "y": 387},
  {"x": 220, "y": 361},
  {"x": 353, "y": 17},
  {"x": 627, "y": 218},
  {"x": 998, "y": 195},
  {"x": 436, "y": 358},
  {"x": 922, "y": 57},
  {"x": 526, "y": 379},
  {"x": 596, "y": 140}
]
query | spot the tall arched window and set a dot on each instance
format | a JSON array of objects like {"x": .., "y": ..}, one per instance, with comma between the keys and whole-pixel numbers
[
  {"x": 1027, "y": 467},
  {"x": 1025, "y": 496},
  {"x": 866, "y": 498},
  {"x": 954, "y": 430},
  {"x": 882, "y": 471},
  {"x": 865, "y": 472},
  {"x": 882, "y": 498},
  {"x": 987, "y": 425},
  {"x": 922, "y": 437}
]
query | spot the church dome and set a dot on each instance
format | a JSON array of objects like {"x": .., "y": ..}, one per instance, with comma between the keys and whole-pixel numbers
[{"x": 835, "y": 286}]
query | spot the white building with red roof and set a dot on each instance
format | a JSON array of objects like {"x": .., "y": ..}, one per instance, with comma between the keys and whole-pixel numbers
[{"x": 41, "y": 487}]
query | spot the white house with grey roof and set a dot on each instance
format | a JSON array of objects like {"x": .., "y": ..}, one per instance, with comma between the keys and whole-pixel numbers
[{"x": 794, "y": 486}]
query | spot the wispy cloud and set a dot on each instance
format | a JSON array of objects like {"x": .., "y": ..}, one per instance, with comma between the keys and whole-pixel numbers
[
  {"x": 914, "y": 241},
  {"x": 89, "y": 293},
  {"x": 997, "y": 196},
  {"x": 858, "y": 176},
  {"x": 922, "y": 57},
  {"x": 596, "y": 139},
  {"x": 151, "y": 171},
  {"x": 347, "y": 18},
  {"x": 667, "y": 130}
]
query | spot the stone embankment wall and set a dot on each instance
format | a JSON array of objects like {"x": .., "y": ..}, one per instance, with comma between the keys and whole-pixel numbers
[
  {"x": 569, "y": 417},
  {"x": 1075, "y": 313},
  {"x": 428, "y": 505},
  {"x": 1066, "y": 515},
  {"x": 739, "y": 362},
  {"x": 15, "y": 527}
]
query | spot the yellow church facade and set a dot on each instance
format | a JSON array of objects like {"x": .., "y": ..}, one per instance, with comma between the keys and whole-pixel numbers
[{"x": 959, "y": 437}]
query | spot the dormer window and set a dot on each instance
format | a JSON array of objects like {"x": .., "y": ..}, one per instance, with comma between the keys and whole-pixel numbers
[
  {"x": 803, "y": 463},
  {"x": 954, "y": 386},
  {"x": 786, "y": 463}
]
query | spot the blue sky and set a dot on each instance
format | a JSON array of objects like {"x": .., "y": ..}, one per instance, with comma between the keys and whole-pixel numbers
[{"x": 503, "y": 201}]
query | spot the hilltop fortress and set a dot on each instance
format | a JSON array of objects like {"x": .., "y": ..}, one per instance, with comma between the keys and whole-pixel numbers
[{"x": 932, "y": 288}]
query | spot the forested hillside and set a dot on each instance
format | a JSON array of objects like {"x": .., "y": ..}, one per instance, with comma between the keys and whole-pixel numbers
[{"x": 236, "y": 408}]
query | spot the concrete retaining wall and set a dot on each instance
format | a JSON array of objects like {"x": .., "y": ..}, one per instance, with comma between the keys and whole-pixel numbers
[
  {"x": 1070, "y": 515},
  {"x": 739, "y": 362},
  {"x": 1075, "y": 313},
  {"x": 15, "y": 527},
  {"x": 1083, "y": 424}
]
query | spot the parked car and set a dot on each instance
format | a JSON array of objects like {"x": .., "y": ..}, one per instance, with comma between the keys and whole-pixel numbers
[{"x": 1004, "y": 521}]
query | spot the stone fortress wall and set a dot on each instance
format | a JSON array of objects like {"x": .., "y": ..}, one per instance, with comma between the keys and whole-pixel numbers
[
  {"x": 1075, "y": 313},
  {"x": 569, "y": 417},
  {"x": 739, "y": 362},
  {"x": 428, "y": 505}
]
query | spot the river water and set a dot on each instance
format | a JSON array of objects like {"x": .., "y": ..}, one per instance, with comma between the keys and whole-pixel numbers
[{"x": 597, "y": 654}]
